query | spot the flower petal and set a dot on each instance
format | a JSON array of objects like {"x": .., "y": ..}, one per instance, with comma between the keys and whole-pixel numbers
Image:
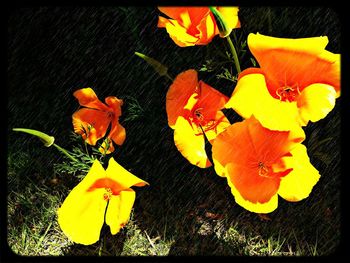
[
  {"x": 251, "y": 97},
  {"x": 81, "y": 215},
  {"x": 298, "y": 184},
  {"x": 221, "y": 124},
  {"x": 178, "y": 94},
  {"x": 190, "y": 145},
  {"x": 91, "y": 124},
  {"x": 177, "y": 32},
  {"x": 117, "y": 133},
  {"x": 300, "y": 62},
  {"x": 119, "y": 210},
  {"x": 207, "y": 29},
  {"x": 87, "y": 97},
  {"x": 211, "y": 100},
  {"x": 123, "y": 177},
  {"x": 256, "y": 207},
  {"x": 230, "y": 14},
  {"x": 315, "y": 102}
]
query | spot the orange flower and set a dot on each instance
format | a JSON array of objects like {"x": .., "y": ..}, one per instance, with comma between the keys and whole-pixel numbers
[
  {"x": 297, "y": 82},
  {"x": 193, "y": 107},
  {"x": 261, "y": 164},
  {"x": 189, "y": 26},
  {"x": 92, "y": 122}
]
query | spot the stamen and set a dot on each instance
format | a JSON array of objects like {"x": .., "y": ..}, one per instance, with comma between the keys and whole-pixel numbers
[
  {"x": 288, "y": 93},
  {"x": 263, "y": 170},
  {"x": 107, "y": 196}
]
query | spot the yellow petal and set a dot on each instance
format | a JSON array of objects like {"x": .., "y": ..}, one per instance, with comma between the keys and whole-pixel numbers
[
  {"x": 230, "y": 14},
  {"x": 298, "y": 184},
  {"x": 123, "y": 177},
  {"x": 81, "y": 215},
  {"x": 190, "y": 145},
  {"x": 267, "y": 207},
  {"x": 315, "y": 102},
  {"x": 251, "y": 97},
  {"x": 119, "y": 210},
  {"x": 177, "y": 32}
]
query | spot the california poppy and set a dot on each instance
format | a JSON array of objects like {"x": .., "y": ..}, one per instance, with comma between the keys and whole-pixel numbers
[
  {"x": 193, "y": 108},
  {"x": 93, "y": 121},
  {"x": 298, "y": 81},
  {"x": 189, "y": 26},
  {"x": 83, "y": 212},
  {"x": 261, "y": 164}
]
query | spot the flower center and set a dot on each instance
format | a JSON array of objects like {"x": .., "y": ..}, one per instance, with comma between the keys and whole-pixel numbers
[
  {"x": 197, "y": 117},
  {"x": 110, "y": 115},
  {"x": 288, "y": 93},
  {"x": 108, "y": 194},
  {"x": 263, "y": 169}
]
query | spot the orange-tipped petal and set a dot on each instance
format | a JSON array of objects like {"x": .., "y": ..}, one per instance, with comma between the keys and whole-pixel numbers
[
  {"x": 91, "y": 124},
  {"x": 178, "y": 94},
  {"x": 190, "y": 145},
  {"x": 291, "y": 62}
]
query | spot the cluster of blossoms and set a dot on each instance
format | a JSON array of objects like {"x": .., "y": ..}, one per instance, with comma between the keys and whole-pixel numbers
[
  {"x": 262, "y": 156},
  {"x": 103, "y": 196}
]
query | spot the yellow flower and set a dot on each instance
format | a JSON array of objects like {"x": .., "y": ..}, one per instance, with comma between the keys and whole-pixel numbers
[
  {"x": 83, "y": 212},
  {"x": 297, "y": 82}
]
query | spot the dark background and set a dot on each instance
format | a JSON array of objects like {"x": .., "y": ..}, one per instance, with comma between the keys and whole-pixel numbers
[{"x": 53, "y": 51}]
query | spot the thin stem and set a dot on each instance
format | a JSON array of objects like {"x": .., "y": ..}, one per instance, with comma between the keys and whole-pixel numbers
[
  {"x": 234, "y": 53},
  {"x": 65, "y": 152},
  {"x": 167, "y": 75}
]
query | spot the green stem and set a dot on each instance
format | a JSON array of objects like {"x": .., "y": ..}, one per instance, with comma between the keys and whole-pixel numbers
[
  {"x": 234, "y": 53},
  {"x": 64, "y": 151}
]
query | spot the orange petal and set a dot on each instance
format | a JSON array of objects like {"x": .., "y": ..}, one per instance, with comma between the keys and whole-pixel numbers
[
  {"x": 117, "y": 133},
  {"x": 300, "y": 62},
  {"x": 115, "y": 104},
  {"x": 91, "y": 124},
  {"x": 210, "y": 100},
  {"x": 251, "y": 186},
  {"x": 178, "y": 94},
  {"x": 190, "y": 145},
  {"x": 87, "y": 97},
  {"x": 266, "y": 207}
]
